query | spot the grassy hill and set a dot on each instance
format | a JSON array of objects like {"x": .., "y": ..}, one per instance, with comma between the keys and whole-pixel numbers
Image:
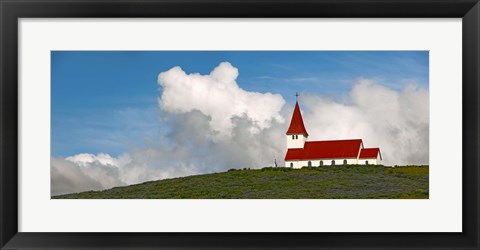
[{"x": 338, "y": 182}]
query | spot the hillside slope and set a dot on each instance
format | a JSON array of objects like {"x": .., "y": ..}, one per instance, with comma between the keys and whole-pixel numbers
[{"x": 339, "y": 182}]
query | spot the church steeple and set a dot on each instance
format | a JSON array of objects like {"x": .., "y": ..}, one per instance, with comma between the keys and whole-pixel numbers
[
  {"x": 296, "y": 124},
  {"x": 296, "y": 133}
]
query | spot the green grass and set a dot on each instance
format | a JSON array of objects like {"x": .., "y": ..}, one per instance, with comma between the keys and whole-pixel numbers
[{"x": 329, "y": 182}]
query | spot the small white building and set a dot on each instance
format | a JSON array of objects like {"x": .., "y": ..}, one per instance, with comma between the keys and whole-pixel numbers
[
  {"x": 370, "y": 156},
  {"x": 303, "y": 153}
]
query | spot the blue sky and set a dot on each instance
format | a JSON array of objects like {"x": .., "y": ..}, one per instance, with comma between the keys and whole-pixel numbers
[{"x": 107, "y": 101}]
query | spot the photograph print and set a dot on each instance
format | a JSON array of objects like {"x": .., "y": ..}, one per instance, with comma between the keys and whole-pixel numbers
[{"x": 239, "y": 125}]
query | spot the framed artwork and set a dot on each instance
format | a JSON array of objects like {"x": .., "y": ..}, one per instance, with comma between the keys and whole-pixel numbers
[{"x": 224, "y": 124}]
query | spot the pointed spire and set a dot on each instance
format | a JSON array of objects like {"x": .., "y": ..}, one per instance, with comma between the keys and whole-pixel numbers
[{"x": 296, "y": 124}]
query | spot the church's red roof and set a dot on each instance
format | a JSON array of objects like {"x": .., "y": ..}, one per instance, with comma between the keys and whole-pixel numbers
[
  {"x": 369, "y": 153},
  {"x": 296, "y": 124},
  {"x": 326, "y": 150}
]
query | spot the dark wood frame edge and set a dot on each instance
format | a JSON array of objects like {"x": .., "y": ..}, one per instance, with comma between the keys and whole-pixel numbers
[{"x": 11, "y": 11}]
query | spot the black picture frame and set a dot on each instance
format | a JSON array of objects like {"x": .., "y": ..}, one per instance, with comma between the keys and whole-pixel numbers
[{"x": 11, "y": 11}]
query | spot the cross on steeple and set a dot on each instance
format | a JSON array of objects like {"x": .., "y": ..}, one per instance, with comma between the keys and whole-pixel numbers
[{"x": 296, "y": 94}]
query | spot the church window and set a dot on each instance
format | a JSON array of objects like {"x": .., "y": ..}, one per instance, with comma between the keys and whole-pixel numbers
[
  {"x": 321, "y": 163},
  {"x": 291, "y": 164},
  {"x": 344, "y": 162},
  {"x": 333, "y": 162},
  {"x": 309, "y": 164},
  {"x": 293, "y": 137}
]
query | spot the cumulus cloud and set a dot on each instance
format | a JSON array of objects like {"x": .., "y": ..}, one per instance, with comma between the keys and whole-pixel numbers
[
  {"x": 214, "y": 125},
  {"x": 218, "y": 96},
  {"x": 88, "y": 172},
  {"x": 395, "y": 121},
  {"x": 69, "y": 177},
  {"x": 86, "y": 160}
]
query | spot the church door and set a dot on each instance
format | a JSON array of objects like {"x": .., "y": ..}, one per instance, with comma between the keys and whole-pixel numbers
[
  {"x": 309, "y": 164},
  {"x": 291, "y": 164}
]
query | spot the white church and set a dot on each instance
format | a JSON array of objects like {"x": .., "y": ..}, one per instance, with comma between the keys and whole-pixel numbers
[{"x": 303, "y": 153}]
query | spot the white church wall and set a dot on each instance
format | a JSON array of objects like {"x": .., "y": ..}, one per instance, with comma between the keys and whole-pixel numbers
[
  {"x": 329, "y": 162},
  {"x": 316, "y": 163},
  {"x": 352, "y": 161},
  {"x": 371, "y": 161},
  {"x": 363, "y": 161},
  {"x": 296, "y": 143},
  {"x": 298, "y": 164},
  {"x": 294, "y": 164}
]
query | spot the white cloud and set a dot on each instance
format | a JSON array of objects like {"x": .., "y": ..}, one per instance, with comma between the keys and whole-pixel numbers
[
  {"x": 103, "y": 159},
  {"x": 218, "y": 96},
  {"x": 395, "y": 121},
  {"x": 87, "y": 172},
  {"x": 67, "y": 177}
]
